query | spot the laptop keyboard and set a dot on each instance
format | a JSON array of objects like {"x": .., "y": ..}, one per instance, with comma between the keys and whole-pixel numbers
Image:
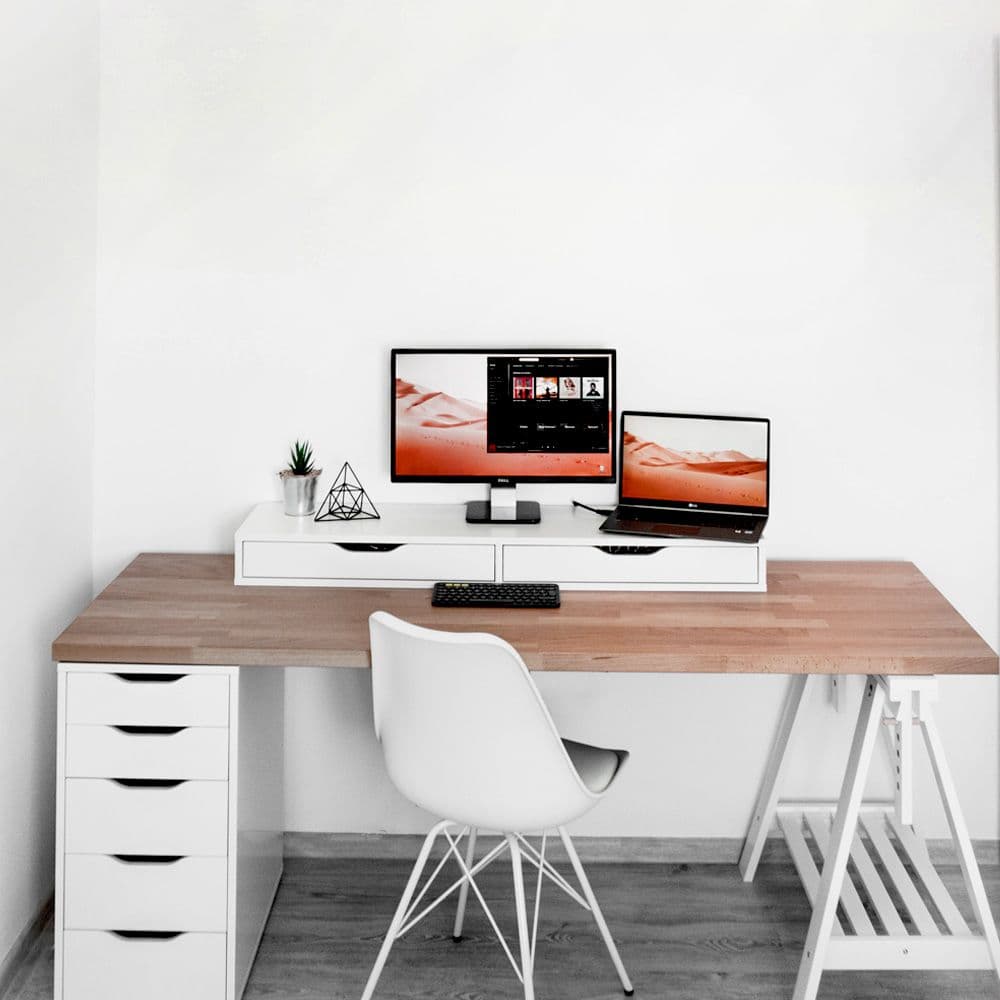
[
  {"x": 658, "y": 527},
  {"x": 711, "y": 525}
]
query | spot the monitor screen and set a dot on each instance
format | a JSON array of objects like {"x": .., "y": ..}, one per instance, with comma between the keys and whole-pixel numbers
[
  {"x": 715, "y": 463},
  {"x": 479, "y": 416}
]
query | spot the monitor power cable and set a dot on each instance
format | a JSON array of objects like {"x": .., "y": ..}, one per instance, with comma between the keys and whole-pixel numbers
[{"x": 596, "y": 510}]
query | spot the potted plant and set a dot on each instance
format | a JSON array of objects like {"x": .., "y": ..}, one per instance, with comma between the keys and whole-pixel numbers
[{"x": 299, "y": 481}]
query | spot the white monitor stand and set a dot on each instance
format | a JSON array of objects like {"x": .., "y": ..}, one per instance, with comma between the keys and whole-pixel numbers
[{"x": 503, "y": 507}]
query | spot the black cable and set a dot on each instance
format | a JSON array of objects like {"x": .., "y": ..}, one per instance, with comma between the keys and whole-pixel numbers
[{"x": 595, "y": 510}]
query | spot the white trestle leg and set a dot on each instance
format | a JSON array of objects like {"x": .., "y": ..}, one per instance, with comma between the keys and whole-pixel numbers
[
  {"x": 874, "y": 849},
  {"x": 767, "y": 799},
  {"x": 844, "y": 826},
  {"x": 960, "y": 833}
]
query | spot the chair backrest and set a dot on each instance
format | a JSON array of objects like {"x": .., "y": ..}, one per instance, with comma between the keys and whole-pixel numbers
[{"x": 465, "y": 733}]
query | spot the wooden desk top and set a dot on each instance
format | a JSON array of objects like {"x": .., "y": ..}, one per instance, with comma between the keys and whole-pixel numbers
[{"x": 817, "y": 617}]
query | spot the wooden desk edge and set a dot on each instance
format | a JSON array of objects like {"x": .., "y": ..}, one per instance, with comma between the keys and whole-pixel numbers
[
  {"x": 359, "y": 659},
  {"x": 150, "y": 576}
]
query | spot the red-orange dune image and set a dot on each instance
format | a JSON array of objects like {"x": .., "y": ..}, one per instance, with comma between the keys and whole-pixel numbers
[
  {"x": 439, "y": 436},
  {"x": 651, "y": 471}
]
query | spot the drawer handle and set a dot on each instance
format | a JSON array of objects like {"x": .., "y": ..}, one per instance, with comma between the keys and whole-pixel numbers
[
  {"x": 147, "y": 859},
  {"x": 150, "y": 730},
  {"x": 369, "y": 546},
  {"x": 148, "y": 935},
  {"x": 629, "y": 550},
  {"x": 148, "y": 782},
  {"x": 150, "y": 678}
]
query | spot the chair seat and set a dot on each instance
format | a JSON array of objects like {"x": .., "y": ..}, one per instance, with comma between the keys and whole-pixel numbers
[{"x": 596, "y": 766}]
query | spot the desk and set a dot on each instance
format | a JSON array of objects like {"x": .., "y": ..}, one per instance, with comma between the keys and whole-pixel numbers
[{"x": 183, "y": 614}]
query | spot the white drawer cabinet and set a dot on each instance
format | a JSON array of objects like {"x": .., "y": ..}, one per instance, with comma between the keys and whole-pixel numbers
[
  {"x": 99, "y": 965},
  {"x": 136, "y": 752},
  {"x": 105, "y": 816},
  {"x": 169, "y": 828},
  {"x": 144, "y": 893}
]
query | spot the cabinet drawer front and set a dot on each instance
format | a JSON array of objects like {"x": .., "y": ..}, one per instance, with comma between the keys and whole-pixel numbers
[
  {"x": 147, "y": 698},
  {"x": 105, "y": 817},
  {"x": 107, "y": 752},
  {"x": 102, "y": 965},
  {"x": 669, "y": 564},
  {"x": 106, "y": 893},
  {"x": 330, "y": 561}
]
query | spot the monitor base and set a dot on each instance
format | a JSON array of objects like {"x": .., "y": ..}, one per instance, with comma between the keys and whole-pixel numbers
[{"x": 483, "y": 512}]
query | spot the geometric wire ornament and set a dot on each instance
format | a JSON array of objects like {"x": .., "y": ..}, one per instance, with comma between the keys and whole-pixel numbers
[{"x": 347, "y": 500}]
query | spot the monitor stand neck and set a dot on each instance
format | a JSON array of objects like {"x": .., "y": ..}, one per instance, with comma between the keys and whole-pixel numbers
[{"x": 503, "y": 507}]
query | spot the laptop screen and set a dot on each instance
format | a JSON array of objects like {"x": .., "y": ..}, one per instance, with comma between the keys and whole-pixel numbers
[{"x": 696, "y": 462}]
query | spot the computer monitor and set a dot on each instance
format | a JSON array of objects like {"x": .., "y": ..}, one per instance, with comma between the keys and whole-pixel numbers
[{"x": 503, "y": 417}]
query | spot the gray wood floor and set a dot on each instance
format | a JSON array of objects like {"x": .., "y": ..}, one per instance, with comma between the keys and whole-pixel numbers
[{"x": 686, "y": 932}]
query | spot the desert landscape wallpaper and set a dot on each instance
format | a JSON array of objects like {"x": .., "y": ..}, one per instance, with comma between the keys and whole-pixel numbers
[
  {"x": 438, "y": 434},
  {"x": 655, "y": 471}
]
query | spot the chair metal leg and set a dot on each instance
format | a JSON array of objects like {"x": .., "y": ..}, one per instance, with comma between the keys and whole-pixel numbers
[
  {"x": 404, "y": 903},
  {"x": 595, "y": 909},
  {"x": 527, "y": 959},
  {"x": 463, "y": 893}
]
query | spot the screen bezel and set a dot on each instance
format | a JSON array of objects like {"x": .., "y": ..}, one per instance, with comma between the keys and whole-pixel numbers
[
  {"x": 609, "y": 352},
  {"x": 685, "y": 504}
]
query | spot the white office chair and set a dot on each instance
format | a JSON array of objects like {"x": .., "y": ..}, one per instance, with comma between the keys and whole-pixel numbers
[{"x": 466, "y": 736}]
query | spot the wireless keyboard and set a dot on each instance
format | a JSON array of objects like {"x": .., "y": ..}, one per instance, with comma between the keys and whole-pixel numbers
[{"x": 495, "y": 595}]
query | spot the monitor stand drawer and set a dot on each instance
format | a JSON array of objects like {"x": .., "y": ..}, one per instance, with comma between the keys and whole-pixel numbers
[
  {"x": 660, "y": 565},
  {"x": 344, "y": 562}
]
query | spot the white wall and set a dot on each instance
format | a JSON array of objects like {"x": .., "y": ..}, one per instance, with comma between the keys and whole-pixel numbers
[
  {"x": 777, "y": 208},
  {"x": 48, "y": 199}
]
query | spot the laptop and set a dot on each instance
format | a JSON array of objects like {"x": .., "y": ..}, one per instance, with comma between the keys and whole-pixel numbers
[{"x": 692, "y": 476}]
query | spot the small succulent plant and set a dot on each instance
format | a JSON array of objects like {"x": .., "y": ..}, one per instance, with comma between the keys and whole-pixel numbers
[{"x": 301, "y": 463}]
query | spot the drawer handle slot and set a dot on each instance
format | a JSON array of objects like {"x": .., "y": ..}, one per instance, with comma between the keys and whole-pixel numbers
[
  {"x": 369, "y": 546},
  {"x": 150, "y": 730},
  {"x": 150, "y": 678},
  {"x": 148, "y": 782},
  {"x": 148, "y": 859},
  {"x": 148, "y": 935},
  {"x": 629, "y": 550}
]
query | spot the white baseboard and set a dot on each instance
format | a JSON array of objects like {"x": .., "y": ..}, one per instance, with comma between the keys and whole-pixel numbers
[
  {"x": 641, "y": 850},
  {"x": 17, "y": 958}
]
